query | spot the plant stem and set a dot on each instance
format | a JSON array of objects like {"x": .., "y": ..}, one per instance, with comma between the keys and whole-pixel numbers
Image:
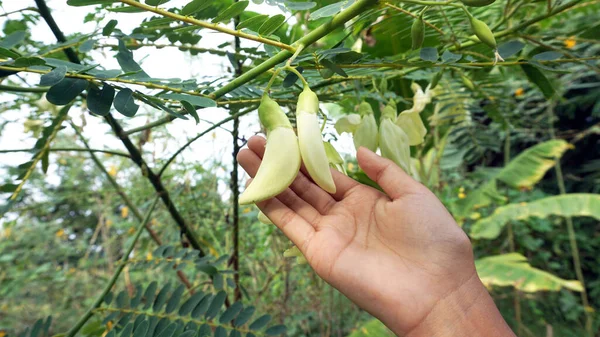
[
  {"x": 10, "y": 88},
  {"x": 115, "y": 276},
  {"x": 69, "y": 149},
  {"x": 310, "y": 38},
  {"x": 571, "y": 231},
  {"x": 203, "y": 24}
]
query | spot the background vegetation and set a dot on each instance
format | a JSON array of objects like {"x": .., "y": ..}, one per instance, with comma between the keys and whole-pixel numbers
[{"x": 137, "y": 235}]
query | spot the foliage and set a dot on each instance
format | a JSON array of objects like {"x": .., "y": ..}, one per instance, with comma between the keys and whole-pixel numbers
[{"x": 495, "y": 152}]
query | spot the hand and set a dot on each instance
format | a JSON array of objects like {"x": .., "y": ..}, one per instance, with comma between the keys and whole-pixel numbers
[{"x": 399, "y": 255}]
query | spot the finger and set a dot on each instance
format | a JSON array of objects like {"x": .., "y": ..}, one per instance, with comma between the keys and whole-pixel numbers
[
  {"x": 343, "y": 184},
  {"x": 394, "y": 181},
  {"x": 295, "y": 227},
  {"x": 303, "y": 186},
  {"x": 250, "y": 162}
]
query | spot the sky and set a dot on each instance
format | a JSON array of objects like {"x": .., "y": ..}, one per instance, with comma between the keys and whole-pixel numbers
[{"x": 159, "y": 63}]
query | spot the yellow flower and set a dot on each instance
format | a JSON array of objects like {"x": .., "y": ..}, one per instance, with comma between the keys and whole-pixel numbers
[
  {"x": 108, "y": 223},
  {"x": 461, "y": 195},
  {"x": 461, "y": 189},
  {"x": 246, "y": 210},
  {"x": 203, "y": 194},
  {"x": 570, "y": 42},
  {"x": 60, "y": 234},
  {"x": 7, "y": 232},
  {"x": 214, "y": 135},
  {"x": 153, "y": 222},
  {"x": 71, "y": 270},
  {"x": 523, "y": 204},
  {"x": 350, "y": 167},
  {"x": 112, "y": 171},
  {"x": 124, "y": 212},
  {"x": 62, "y": 161},
  {"x": 475, "y": 216},
  {"x": 2, "y": 333},
  {"x": 149, "y": 256},
  {"x": 131, "y": 230},
  {"x": 519, "y": 92}
]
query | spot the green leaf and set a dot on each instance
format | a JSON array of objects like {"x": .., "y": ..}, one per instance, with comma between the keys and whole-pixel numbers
[
  {"x": 99, "y": 101},
  {"x": 205, "y": 331},
  {"x": 530, "y": 166},
  {"x": 480, "y": 197},
  {"x": 449, "y": 57},
  {"x": 87, "y": 46},
  {"x": 189, "y": 333},
  {"x": 122, "y": 299},
  {"x": 37, "y": 328},
  {"x": 161, "y": 298},
  {"x": 333, "y": 67},
  {"x": 13, "y": 39},
  {"x": 8, "y": 188},
  {"x": 230, "y": 12},
  {"x": 536, "y": 77},
  {"x": 56, "y": 75},
  {"x": 127, "y": 63},
  {"x": 220, "y": 332},
  {"x": 142, "y": 329},
  {"x": 244, "y": 316},
  {"x": 45, "y": 161},
  {"x": 108, "y": 298},
  {"x": 156, "y": 2},
  {"x": 291, "y": 78},
  {"x": 204, "y": 102},
  {"x": 216, "y": 305},
  {"x": 189, "y": 108},
  {"x": 260, "y": 322},
  {"x": 149, "y": 294},
  {"x": 275, "y": 330},
  {"x": 29, "y": 61},
  {"x": 9, "y": 53},
  {"x": 510, "y": 48},
  {"x": 371, "y": 329},
  {"x": 329, "y": 10},
  {"x": 513, "y": 270},
  {"x": 231, "y": 313},
  {"x": 195, "y": 6},
  {"x": 201, "y": 308},
  {"x": 429, "y": 54},
  {"x": 567, "y": 205},
  {"x": 175, "y": 298},
  {"x": 254, "y": 23},
  {"x": 65, "y": 91},
  {"x": 300, "y": 6},
  {"x": 191, "y": 303},
  {"x": 110, "y": 27},
  {"x": 137, "y": 298},
  {"x": 127, "y": 330},
  {"x": 77, "y": 3},
  {"x": 125, "y": 104},
  {"x": 46, "y": 326},
  {"x": 218, "y": 281},
  {"x": 271, "y": 25},
  {"x": 547, "y": 56},
  {"x": 169, "y": 330}
]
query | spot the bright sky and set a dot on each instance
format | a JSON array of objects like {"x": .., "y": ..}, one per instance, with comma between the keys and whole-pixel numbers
[{"x": 163, "y": 63}]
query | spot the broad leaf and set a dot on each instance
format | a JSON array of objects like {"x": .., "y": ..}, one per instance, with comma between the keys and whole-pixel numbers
[
  {"x": 56, "y": 75},
  {"x": 125, "y": 104},
  {"x": 530, "y": 166},
  {"x": 99, "y": 101},
  {"x": 514, "y": 271},
  {"x": 66, "y": 91},
  {"x": 567, "y": 205}
]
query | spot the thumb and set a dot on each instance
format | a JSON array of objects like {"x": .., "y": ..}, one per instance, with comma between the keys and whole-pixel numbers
[{"x": 394, "y": 181}]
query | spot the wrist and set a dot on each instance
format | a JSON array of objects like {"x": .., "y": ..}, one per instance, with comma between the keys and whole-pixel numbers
[{"x": 467, "y": 311}]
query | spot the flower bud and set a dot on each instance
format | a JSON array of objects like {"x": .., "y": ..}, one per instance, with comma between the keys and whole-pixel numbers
[
  {"x": 412, "y": 124},
  {"x": 435, "y": 80},
  {"x": 262, "y": 218},
  {"x": 477, "y": 3},
  {"x": 393, "y": 141},
  {"x": 417, "y": 32},
  {"x": 483, "y": 32},
  {"x": 366, "y": 132},
  {"x": 335, "y": 160},
  {"x": 348, "y": 123}
]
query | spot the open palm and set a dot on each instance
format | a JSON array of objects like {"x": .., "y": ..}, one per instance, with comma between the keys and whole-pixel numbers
[{"x": 400, "y": 249}]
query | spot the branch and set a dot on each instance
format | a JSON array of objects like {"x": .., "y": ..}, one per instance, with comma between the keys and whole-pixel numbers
[
  {"x": 74, "y": 149},
  {"x": 136, "y": 212},
  {"x": 207, "y": 25},
  {"x": 154, "y": 179},
  {"x": 337, "y": 21},
  {"x": 115, "y": 276},
  {"x": 60, "y": 37},
  {"x": 198, "y": 136}
]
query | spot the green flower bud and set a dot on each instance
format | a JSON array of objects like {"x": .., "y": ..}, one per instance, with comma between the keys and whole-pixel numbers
[
  {"x": 295, "y": 252},
  {"x": 393, "y": 141},
  {"x": 366, "y": 132},
  {"x": 435, "y": 80},
  {"x": 417, "y": 31},
  {"x": 467, "y": 82},
  {"x": 483, "y": 32},
  {"x": 412, "y": 124},
  {"x": 477, "y": 3},
  {"x": 271, "y": 116},
  {"x": 262, "y": 218}
]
